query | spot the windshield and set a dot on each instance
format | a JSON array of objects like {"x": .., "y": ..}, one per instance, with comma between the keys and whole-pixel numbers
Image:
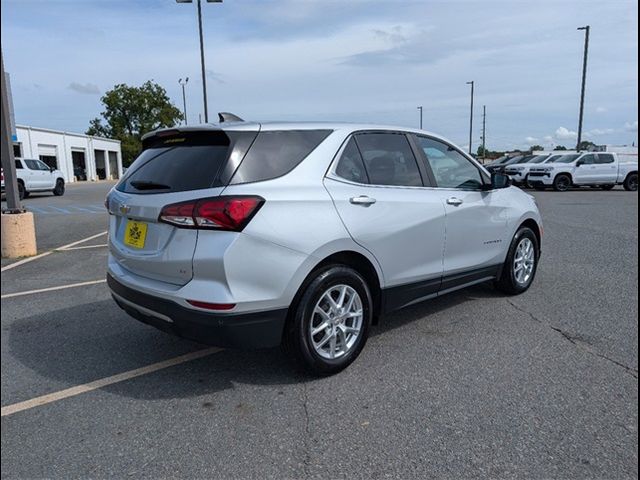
[
  {"x": 567, "y": 158},
  {"x": 525, "y": 159},
  {"x": 539, "y": 159},
  {"x": 513, "y": 160}
]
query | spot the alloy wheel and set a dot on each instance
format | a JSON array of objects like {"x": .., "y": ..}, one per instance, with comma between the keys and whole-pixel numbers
[
  {"x": 336, "y": 321},
  {"x": 524, "y": 261}
]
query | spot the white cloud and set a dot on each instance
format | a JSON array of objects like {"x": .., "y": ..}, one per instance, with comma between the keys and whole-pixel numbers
[
  {"x": 631, "y": 127},
  {"x": 87, "y": 88},
  {"x": 601, "y": 131},
  {"x": 563, "y": 133},
  {"x": 548, "y": 139},
  {"x": 531, "y": 140}
]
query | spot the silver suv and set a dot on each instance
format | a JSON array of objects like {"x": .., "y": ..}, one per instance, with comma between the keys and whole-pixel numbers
[{"x": 252, "y": 235}]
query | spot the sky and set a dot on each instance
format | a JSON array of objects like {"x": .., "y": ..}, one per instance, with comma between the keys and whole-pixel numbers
[{"x": 332, "y": 60}]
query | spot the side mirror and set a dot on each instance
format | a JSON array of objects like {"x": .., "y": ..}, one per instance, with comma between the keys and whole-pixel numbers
[{"x": 500, "y": 180}]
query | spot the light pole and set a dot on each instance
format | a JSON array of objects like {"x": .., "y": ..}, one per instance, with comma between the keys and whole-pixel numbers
[
  {"x": 204, "y": 75},
  {"x": 584, "y": 81},
  {"x": 420, "y": 108},
  {"x": 184, "y": 98},
  {"x": 472, "y": 83}
]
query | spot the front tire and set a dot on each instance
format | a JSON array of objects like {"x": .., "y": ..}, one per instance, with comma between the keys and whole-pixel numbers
[
  {"x": 562, "y": 183},
  {"x": 329, "y": 324},
  {"x": 631, "y": 182},
  {"x": 58, "y": 191},
  {"x": 521, "y": 264}
]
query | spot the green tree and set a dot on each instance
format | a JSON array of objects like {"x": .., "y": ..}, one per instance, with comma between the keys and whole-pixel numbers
[
  {"x": 130, "y": 112},
  {"x": 586, "y": 145},
  {"x": 481, "y": 152},
  {"x": 536, "y": 147},
  {"x": 560, "y": 147}
]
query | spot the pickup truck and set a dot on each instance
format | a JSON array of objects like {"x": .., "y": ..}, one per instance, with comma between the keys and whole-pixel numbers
[
  {"x": 591, "y": 169},
  {"x": 36, "y": 176}
]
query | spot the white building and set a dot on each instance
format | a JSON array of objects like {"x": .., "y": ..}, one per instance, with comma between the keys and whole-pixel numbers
[{"x": 79, "y": 157}]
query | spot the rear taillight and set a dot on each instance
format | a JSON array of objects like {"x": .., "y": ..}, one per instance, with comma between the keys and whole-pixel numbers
[{"x": 218, "y": 213}]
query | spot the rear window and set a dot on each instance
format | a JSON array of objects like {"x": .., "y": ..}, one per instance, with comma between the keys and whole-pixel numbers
[
  {"x": 275, "y": 153},
  {"x": 182, "y": 162}
]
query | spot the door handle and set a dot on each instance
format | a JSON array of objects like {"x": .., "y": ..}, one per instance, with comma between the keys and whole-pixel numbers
[
  {"x": 454, "y": 201},
  {"x": 362, "y": 200}
]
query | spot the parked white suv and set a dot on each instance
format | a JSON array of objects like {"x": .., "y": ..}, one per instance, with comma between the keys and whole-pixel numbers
[
  {"x": 585, "y": 169},
  {"x": 249, "y": 235},
  {"x": 36, "y": 176}
]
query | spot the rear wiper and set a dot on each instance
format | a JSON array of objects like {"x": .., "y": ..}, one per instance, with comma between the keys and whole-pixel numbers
[{"x": 148, "y": 185}]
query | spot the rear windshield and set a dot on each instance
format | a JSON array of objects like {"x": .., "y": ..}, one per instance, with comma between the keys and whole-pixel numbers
[
  {"x": 180, "y": 162},
  {"x": 275, "y": 153}
]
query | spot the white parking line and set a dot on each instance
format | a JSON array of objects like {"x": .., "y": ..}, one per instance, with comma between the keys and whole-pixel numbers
[
  {"x": 83, "y": 247},
  {"x": 31, "y": 259},
  {"x": 51, "y": 289},
  {"x": 103, "y": 382}
]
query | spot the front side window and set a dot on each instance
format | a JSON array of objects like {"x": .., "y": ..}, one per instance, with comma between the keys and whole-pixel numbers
[
  {"x": 351, "y": 167},
  {"x": 589, "y": 159},
  {"x": 450, "y": 168},
  {"x": 32, "y": 164},
  {"x": 388, "y": 159},
  {"x": 605, "y": 158}
]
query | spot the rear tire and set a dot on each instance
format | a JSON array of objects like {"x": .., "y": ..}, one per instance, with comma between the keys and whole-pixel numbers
[
  {"x": 340, "y": 334},
  {"x": 58, "y": 191},
  {"x": 22, "y": 192},
  {"x": 631, "y": 182},
  {"x": 562, "y": 183},
  {"x": 520, "y": 267}
]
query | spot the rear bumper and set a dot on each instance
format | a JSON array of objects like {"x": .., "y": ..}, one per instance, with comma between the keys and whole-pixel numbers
[{"x": 234, "y": 330}]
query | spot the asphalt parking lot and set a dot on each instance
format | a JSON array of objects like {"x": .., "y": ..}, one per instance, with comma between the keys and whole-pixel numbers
[{"x": 475, "y": 384}]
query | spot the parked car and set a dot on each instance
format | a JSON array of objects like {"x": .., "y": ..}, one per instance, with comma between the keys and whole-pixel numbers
[
  {"x": 585, "y": 169},
  {"x": 36, "y": 176},
  {"x": 252, "y": 235},
  {"x": 512, "y": 161},
  {"x": 519, "y": 173}
]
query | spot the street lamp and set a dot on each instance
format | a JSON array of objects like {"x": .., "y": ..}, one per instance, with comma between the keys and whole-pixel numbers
[
  {"x": 204, "y": 77},
  {"x": 472, "y": 83},
  {"x": 420, "y": 108},
  {"x": 184, "y": 98},
  {"x": 584, "y": 81}
]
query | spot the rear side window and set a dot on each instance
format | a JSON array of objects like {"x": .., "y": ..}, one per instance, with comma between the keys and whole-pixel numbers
[
  {"x": 180, "y": 162},
  {"x": 605, "y": 158},
  {"x": 350, "y": 167},
  {"x": 389, "y": 159},
  {"x": 275, "y": 153}
]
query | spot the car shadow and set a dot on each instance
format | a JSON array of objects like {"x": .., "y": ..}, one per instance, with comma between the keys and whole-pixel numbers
[{"x": 89, "y": 342}]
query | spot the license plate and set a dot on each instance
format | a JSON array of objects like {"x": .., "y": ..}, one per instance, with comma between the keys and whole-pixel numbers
[{"x": 135, "y": 233}]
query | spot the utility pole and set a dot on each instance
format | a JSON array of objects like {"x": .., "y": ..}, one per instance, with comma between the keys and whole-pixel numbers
[
  {"x": 484, "y": 132},
  {"x": 472, "y": 83},
  {"x": 184, "y": 99},
  {"x": 420, "y": 108},
  {"x": 204, "y": 74},
  {"x": 584, "y": 81},
  {"x": 8, "y": 160}
]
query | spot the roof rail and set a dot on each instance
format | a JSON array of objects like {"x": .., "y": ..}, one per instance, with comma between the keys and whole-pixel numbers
[{"x": 228, "y": 117}]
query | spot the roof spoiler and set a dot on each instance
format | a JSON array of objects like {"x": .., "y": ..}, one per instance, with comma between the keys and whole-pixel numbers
[{"x": 228, "y": 117}]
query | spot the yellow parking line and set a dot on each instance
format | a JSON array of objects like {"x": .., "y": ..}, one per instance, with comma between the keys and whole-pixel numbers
[
  {"x": 103, "y": 382},
  {"x": 51, "y": 289},
  {"x": 31, "y": 259}
]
